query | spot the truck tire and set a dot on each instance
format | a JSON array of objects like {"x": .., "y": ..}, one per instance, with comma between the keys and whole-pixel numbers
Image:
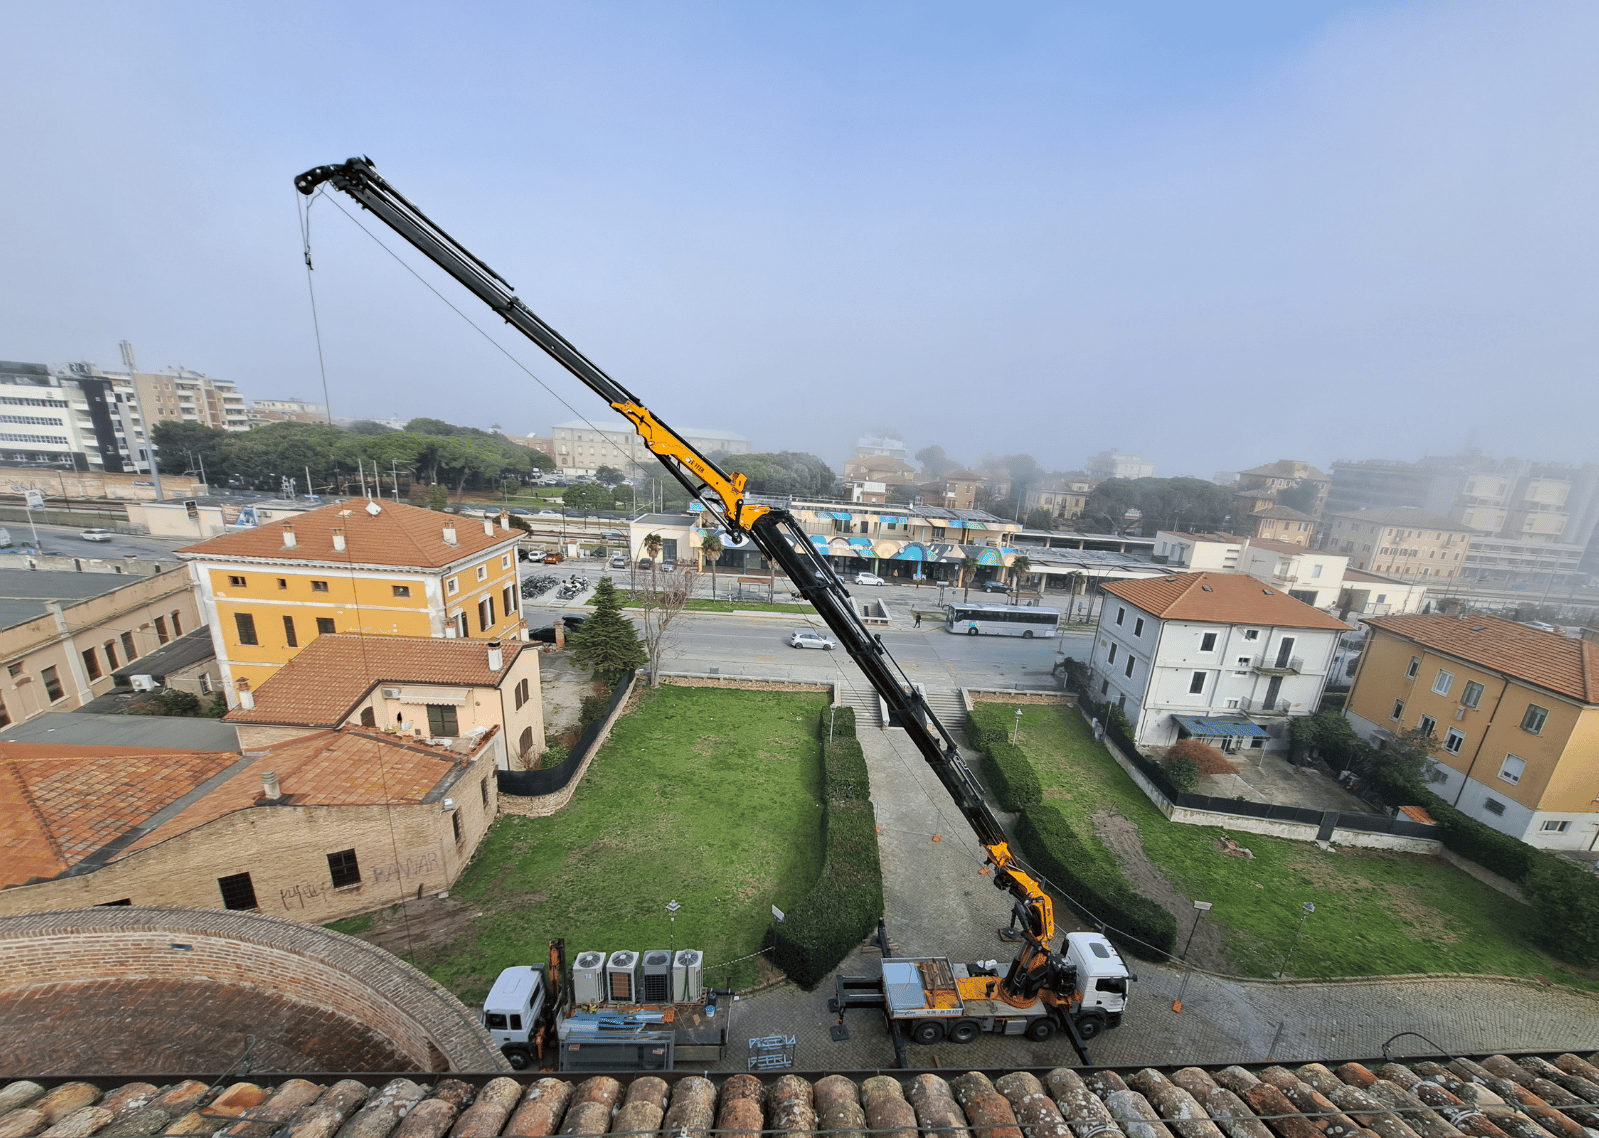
[
  {"x": 1028, "y": 635},
  {"x": 964, "y": 1031},
  {"x": 927, "y": 1032},
  {"x": 971, "y": 632},
  {"x": 1040, "y": 1030},
  {"x": 1090, "y": 1025},
  {"x": 517, "y": 1057}
]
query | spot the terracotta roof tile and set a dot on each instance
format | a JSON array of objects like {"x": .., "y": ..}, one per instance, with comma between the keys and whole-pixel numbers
[
  {"x": 1546, "y": 659},
  {"x": 1225, "y": 598},
  {"x": 399, "y": 535},
  {"x": 323, "y": 683}
]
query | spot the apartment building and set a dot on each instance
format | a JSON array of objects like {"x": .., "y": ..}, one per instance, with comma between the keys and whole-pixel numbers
[
  {"x": 581, "y": 447},
  {"x": 1515, "y": 711},
  {"x": 1285, "y": 474},
  {"x": 72, "y": 418},
  {"x": 386, "y": 569},
  {"x": 1115, "y": 464},
  {"x": 1063, "y": 497},
  {"x": 1401, "y": 541},
  {"x": 179, "y": 395}
]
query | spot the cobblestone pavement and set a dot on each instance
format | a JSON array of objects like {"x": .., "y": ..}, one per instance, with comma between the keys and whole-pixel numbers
[{"x": 938, "y": 904}]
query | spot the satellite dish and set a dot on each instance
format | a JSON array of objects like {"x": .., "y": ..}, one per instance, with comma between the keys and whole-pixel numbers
[{"x": 374, "y": 509}]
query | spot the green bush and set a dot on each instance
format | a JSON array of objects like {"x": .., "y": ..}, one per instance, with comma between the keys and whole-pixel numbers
[
  {"x": 1566, "y": 898},
  {"x": 593, "y": 710},
  {"x": 1136, "y": 924},
  {"x": 1506, "y": 856},
  {"x": 1015, "y": 782},
  {"x": 843, "y": 906},
  {"x": 1182, "y": 771}
]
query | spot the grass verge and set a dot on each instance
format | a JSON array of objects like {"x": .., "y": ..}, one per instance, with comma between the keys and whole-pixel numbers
[
  {"x": 706, "y": 796},
  {"x": 1377, "y": 912}
]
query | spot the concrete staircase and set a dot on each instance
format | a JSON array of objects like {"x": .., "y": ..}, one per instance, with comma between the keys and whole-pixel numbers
[
  {"x": 864, "y": 700},
  {"x": 950, "y": 709}
]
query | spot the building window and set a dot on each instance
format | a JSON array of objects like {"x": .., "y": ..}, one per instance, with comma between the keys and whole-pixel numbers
[
  {"x": 1131, "y": 660},
  {"x": 324, "y": 625},
  {"x": 441, "y": 720},
  {"x": 1121, "y": 614},
  {"x": 283, "y": 582},
  {"x": 483, "y": 572},
  {"x": 508, "y": 599},
  {"x": 1453, "y": 740},
  {"x": 455, "y": 824},
  {"x": 344, "y": 869},
  {"x": 524, "y": 745},
  {"x": 52, "y": 683},
  {"x": 369, "y": 717},
  {"x": 238, "y": 891},
  {"x": 1207, "y": 642},
  {"x": 1197, "y": 684},
  {"x": 521, "y": 694},
  {"x": 1534, "y": 719},
  {"x": 1426, "y": 724},
  {"x": 1111, "y": 659},
  {"x": 1104, "y": 686},
  {"x": 91, "y": 663},
  {"x": 319, "y": 586},
  {"x": 1443, "y": 682},
  {"x": 177, "y": 625},
  {"x": 451, "y": 585},
  {"x": 1251, "y": 634},
  {"x": 1493, "y": 806},
  {"x": 460, "y": 625},
  {"x": 161, "y": 630},
  {"x": 1410, "y": 672},
  {"x": 1554, "y": 827},
  {"x": 1472, "y": 695},
  {"x": 205, "y": 683},
  {"x": 245, "y": 623},
  {"x": 402, "y": 590},
  {"x": 128, "y": 649},
  {"x": 1138, "y": 627},
  {"x": 111, "y": 654},
  {"x": 236, "y": 582},
  {"x": 505, "y": 561},
  {"x": 485, "y": 614},
  {"x": 1315, "y": 571},
  {"x": 289, "y": 637},
  {"x": 1511, "y": 771},
  {"x": 1399, "y": 709}
]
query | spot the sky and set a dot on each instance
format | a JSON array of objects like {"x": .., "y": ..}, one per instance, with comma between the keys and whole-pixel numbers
[{"x": 1215, "y": 234}]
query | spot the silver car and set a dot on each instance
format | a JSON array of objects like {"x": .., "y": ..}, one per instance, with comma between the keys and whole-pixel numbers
[
  {"x": 805, "y": 638},
  {"x": 96, "y": 535}
]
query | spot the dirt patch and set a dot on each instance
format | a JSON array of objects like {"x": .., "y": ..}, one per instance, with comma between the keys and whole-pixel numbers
[
  {"x": 1122, "y": 839},
  {"x": 747, "y": 685},
  {"x": 1018, "y": 697},
  {"x": 1407, "y": 904},
  {"x": 416, "y": 925}
]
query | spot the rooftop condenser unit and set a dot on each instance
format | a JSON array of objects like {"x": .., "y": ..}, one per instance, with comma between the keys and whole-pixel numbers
[
  {"x": 657, "y": 976},
  {"x": 621, "y": 978},
  {"x": 686, "y": 970},
  {"x": 587, "y": 985}
]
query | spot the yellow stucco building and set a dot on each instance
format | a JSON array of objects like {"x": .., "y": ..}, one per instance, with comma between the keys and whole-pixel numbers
[
  {"x": 366, "y": 567},
  {"x": 1515, "y": 711}
]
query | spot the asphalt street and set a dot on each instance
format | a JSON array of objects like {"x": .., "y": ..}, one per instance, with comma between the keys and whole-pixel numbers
[{"x": 67, "y": 541}]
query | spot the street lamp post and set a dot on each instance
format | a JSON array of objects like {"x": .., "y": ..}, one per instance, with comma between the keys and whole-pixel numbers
[
  {"x": 671, "y": 915},
  {"x": 1017, "y": 730},
  {"x": 1200, "y": 909},
  {"x": 1309, "y": 907}
]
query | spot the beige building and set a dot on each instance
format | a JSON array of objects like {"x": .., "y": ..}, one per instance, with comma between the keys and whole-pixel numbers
[
  {"x": 323, "y": 827},
  {"x": 178, "y": 395},
  {"x": 955, "y": 491},
  {"x": 1284, "y": 474},
  {"x": 197, "y": 517},
  {"x": 582, "y": 448},
  {"x": 1062, "y": 497},
  {"x": 413, "y": 687},
  {"x": 1265, "y": 519},
  {"x": 63, "y": 634},
  {"x": 1399, "y": 541}
]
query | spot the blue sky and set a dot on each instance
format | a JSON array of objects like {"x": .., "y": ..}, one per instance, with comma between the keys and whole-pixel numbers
[{"x": 1217, "y": 234}]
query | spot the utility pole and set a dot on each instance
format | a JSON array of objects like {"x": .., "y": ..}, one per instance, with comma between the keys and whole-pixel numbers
[{"x": 126, "y": 348}]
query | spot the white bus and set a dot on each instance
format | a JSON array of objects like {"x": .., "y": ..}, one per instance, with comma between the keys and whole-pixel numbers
[{"x": 1002, "y": 620}]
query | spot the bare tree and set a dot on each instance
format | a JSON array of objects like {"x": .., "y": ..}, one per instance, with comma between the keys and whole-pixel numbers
[{"x": 658, "y": 601}]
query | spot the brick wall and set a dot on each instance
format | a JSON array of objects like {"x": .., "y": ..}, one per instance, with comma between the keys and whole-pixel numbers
[{"x": 346, "y": 978}]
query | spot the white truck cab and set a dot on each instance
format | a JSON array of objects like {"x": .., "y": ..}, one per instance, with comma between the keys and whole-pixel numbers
[
  {"x": 1101, "y": 977},
  {"x": 512, "y": 1010}
]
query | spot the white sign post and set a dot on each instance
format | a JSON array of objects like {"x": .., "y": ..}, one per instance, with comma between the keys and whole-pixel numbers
[{"x": 35, "y": 501}]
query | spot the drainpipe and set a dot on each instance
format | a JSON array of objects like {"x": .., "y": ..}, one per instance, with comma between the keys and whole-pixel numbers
[{"x": 1471, "y": 766}]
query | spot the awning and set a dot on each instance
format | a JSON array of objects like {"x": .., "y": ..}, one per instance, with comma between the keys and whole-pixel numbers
[
  {"x": 819, "y": 539},
  {"x": 991, "y": 557},
  {"x": 912, "y": 552},
  {"x": 1220, "y": 726},
  {"x": 861, "y": 542}
]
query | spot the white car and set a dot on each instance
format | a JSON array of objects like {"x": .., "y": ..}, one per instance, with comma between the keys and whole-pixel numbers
[
  {"x": 868, "y": 579},
  {"x": 805, "y": 638},
  {"x": 96, "y": 535}
]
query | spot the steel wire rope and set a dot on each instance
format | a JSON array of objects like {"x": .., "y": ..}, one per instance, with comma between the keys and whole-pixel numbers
[{"x": 302, "y": 210}]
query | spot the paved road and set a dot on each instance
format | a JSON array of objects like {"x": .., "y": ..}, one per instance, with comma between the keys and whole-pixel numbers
[{"x": 67, "y": 542}]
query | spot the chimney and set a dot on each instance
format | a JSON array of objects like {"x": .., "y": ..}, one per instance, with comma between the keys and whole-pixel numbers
[
  {"x": 488, "y": 526},
  {"x": 338, "y": 539},
  {"x": 288, "y": 535},
  {"x": 449, "y": 534},
  {"x": 496, "y": 656},
  {"x": 505, "y": 520},
  {"x": 270, "y": 789},
  {"x": 246, "y": 696}
]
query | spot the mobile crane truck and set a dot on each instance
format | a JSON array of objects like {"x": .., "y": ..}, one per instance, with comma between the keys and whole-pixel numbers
[{"x": 1041, "y": 986}]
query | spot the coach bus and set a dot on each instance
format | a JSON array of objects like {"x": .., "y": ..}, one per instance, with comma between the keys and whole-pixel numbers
[{"x": 1001, "y": 620}]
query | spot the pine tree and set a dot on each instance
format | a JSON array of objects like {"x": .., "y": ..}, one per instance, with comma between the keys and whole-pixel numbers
[{"x": 607, "y": 644}]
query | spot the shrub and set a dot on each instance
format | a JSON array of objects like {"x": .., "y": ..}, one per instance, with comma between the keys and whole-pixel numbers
[
  {"x": 1182, "y": 772},
  {"x": 843, "y": 906},
  {"x": 1016, "y": 785},
  {"x": 594, "y": 709},
  {"x": 1566, "y": 898},
  {"x": 1134, "y": 923},
  {"x": 1206, "y": 758},
  {"x": 554, "y": 755}
]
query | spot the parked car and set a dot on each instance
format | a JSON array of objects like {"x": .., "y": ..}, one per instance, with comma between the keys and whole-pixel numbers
[
  {"x": 805, "y": 638},
  {"x": 521, "y": 511},
  {"x": 618, "y": 562},
  {"x": 644, "y": 562},
  {"x": 995, "y": 587},
  {"x": 546, "y": 635},
  {"x": 96, "y": 535},
  {"x": 612, "y": 535},
  {"x": 668, "y": 565},
  {"x": 868, "y": 579},
  {"x": 554, "y": 558},
  {"x": 546, "y": 514}
]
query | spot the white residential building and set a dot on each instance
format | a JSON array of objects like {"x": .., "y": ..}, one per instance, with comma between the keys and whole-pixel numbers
[
  {"x": 581, "y": 447},
  {"x": 1218, "y": 656},
  {"x": 1115, "y": 464},
  {"x": 1308, "y": 575}
]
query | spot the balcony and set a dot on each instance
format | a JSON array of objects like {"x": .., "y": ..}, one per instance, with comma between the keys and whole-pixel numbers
[
  {"x": 1278, "y": 666},
  {"x": 1253, "y": 706}
]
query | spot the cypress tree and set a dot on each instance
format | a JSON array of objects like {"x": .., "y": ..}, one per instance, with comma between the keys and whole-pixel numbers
[{"x": 607, "y": 644}]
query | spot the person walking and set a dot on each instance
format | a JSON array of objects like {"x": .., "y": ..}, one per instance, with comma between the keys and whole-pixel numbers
[{"x": 917, "y": 623}]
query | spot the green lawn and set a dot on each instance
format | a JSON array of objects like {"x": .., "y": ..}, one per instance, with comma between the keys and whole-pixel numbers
[
  {"x": 705, "y": 796},
  {"x": 1377, "y": 913}
]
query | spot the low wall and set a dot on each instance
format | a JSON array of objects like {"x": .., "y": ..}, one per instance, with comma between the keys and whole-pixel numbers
[
  {"x": 87, "y": 564},
  {"x": 553, "y": 788},
  {"x": 1297, "y": 831}
]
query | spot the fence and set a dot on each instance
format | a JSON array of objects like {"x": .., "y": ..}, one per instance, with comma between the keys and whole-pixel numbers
[{"x": 555, "y": 780}]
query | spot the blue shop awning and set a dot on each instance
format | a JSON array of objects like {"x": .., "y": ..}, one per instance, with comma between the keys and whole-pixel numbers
[
  {"x": 1220, "y": 727},
  {"x": 861, "y": 542}
]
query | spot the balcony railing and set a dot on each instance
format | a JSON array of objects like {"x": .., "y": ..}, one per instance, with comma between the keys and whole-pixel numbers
[
  {"x": 1259, "y": 706},
  {"x": 1277, "y": 666}
]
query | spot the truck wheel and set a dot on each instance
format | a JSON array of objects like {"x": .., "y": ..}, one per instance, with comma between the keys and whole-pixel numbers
[
  {"x": 1028, "y": 635},
  {"x": 964, "y": 1031},
  {"x": 1090, "y": 1026},
  {"x": 518, "y": 1058},
  {"x": 971, "y": 632},
  {"x": 1040, "y": 1030},
  {"x": 928, "y": 1032}
]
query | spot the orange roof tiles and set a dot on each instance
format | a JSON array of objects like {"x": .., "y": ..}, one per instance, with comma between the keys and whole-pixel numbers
[
  {"x": 399, "y": 536},
  {"x": 322, "y": 684},
  {"x": 1546, "y": 659},
  {"x": 1223, "y": 598}
]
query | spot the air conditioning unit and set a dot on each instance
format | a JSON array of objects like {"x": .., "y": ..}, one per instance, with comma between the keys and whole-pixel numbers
[
  {"x": 587, "y": 985},
  {"x": 144, "y": 683},
  {"x": 391, "y": 693},
  {"x": 686, "y": 979},
  {"x": 657, "y": 976},
  {"x": 621, "y": 978}
]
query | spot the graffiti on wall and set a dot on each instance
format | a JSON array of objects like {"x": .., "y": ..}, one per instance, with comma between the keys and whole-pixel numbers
[{"x": 297, "y": 896}]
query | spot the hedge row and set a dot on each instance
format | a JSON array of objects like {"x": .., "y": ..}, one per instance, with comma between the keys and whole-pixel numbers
[
  {"x": 1138, "y": 925},
  {"x": 842, "y": 908},
  {"x": 1015, "y": 782}
]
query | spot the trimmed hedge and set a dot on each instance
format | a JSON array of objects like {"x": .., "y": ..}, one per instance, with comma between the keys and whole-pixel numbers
[
  {"x": 1015, "y": 782},
  {"x": 843, "y": 906},
  {"x": 1137, "y": 924}
]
